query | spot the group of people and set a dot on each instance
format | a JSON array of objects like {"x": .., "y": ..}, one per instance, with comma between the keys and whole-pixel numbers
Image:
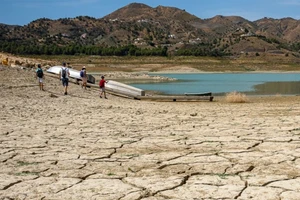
[{"x": 64, "y": 75}]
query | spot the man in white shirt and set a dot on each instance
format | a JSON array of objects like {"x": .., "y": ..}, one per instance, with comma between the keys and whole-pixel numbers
[{"x": 64, "y": 76}]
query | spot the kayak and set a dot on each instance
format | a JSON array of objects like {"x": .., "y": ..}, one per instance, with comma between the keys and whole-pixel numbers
[{"x": 73, "y": 73}]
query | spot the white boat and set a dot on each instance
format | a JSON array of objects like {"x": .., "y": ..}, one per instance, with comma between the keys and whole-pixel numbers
[
  {"x": 73, "y": 73},
  {"x": 124, "y": 89},
  {"x": 113, "y": 86}
]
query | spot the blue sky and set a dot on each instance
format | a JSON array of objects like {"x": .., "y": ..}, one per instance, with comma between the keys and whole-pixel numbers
[{"x": 22, "y": 12}]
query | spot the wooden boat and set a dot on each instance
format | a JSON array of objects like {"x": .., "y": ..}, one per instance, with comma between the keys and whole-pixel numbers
[
  {"x": 73, "y": 73},
  {"x": 198, "y": 94},
  {"x": 121, "y": 88},
  {"x": 176, "y": 98}
]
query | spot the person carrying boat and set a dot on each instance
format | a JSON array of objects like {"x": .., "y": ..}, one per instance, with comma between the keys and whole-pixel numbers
[
  {"x": 64, "y": 77},
  {"x": 83, "y": 77}
]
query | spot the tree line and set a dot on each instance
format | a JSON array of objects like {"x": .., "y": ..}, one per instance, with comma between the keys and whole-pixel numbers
[{"x": 77, "y": 49}]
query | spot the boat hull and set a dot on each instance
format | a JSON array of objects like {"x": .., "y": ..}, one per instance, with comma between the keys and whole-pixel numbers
[
  {"x": 73, "y": 73},
  {"x": 124, "y": 89},
  {"x": 198, "y": 94}
]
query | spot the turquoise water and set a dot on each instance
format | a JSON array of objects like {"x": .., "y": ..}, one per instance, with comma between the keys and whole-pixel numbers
[{"x": 221, "y": 83}]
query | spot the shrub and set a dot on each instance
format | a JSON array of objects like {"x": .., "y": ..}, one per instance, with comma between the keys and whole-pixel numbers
[{"x": 236, "y": 97}]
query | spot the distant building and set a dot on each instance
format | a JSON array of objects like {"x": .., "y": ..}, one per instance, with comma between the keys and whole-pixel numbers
[
  {"x": 249, "y": 34},
  {"x": 139, "y": 41},
  {"x": 114, "y": 20},
  {"x": 195, "y": 41},
  {"x": 143, "y": 20},
  {"x": 83, "y": 36}
]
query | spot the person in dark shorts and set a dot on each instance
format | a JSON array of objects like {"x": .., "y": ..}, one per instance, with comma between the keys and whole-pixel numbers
[
  {"x": 64, "y": 76},
  {"x": 102, "y": 87},
  {"x": 83, "y": 77},
  {"x": 40, "y": 76}
]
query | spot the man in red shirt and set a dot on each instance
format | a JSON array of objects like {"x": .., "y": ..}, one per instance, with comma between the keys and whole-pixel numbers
[{"x": 102, "y": 87}]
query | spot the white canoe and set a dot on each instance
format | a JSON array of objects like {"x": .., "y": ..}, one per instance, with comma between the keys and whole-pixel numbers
[
  {"x": 124, "y": 89},
  {"x": 73, "y": 73}
]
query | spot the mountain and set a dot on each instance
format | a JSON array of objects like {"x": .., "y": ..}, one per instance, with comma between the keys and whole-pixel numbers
[
  {"x": 287, "y": 29},
  {"x": 146, "y": 27}
]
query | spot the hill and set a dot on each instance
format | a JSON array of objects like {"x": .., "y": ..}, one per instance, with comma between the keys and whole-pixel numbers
[{"x": 174, "y": 29}]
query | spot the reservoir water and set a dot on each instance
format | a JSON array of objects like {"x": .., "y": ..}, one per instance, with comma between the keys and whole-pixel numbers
[{"x": 222, "y": 83}]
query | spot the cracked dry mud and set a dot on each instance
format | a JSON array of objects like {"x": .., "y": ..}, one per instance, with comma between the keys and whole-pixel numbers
[{"x": 82, "y": 147}]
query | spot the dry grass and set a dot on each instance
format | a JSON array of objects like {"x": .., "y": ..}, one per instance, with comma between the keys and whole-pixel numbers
[{"x": 236, "y": 97}]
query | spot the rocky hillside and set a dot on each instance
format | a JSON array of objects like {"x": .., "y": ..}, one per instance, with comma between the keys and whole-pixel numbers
[{"x": 147, "y": 27}]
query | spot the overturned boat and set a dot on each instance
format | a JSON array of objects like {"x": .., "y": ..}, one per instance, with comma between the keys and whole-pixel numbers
[
  {"x": 112, "y": 86},
  {"x": 73, "y": 73},
  {"x": 198, "y": 94},
  {"x": 121, "y": 88}
]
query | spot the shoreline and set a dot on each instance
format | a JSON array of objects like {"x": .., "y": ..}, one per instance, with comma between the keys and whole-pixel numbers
[
  {"x": 218, "y": 72},
  {"x": 258, "y": 84},
  {"x": 150, "y": 77}
]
